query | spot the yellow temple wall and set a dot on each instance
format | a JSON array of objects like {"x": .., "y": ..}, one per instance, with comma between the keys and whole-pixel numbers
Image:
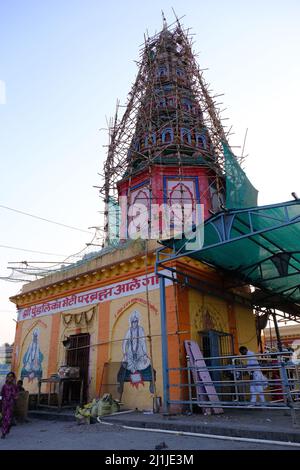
[
  {"x": 29, "y": 329},
  {"x": 107, "y": 325},
  {"x": 246, "y": 328},
  {"x": 207, "y": 313},
  {"x": 188, "y": 312}
]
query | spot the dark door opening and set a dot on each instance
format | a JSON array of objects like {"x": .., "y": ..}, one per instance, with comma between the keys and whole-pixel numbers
[
  {"x": 215, "y": 344},
  {"x": 78, "y": 355}
]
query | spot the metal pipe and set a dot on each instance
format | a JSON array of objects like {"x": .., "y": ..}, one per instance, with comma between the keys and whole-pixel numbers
[
  {"x": 214, "y": 436},
  {"x": 189, "y": 383},
  {"x": 279, "y": 344},
  {"x": 164, "y": 344}
]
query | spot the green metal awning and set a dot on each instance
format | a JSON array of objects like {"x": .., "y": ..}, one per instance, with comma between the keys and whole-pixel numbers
[{"x": 259, "y": 245}]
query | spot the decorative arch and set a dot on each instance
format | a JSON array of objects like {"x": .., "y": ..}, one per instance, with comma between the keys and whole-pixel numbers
[
  {"x": 182, "y": 194},
  {"x": 201, "y": 141},
  {"x": 150, "y": 139},
  {"x": 35, "y": 368},
  {"x": 167, "y": 135},
  {"x": 179, "y": 72},
  {"x": 31, "y": 328},
  {"x": 136, "y": 300},
  {"x": 185, "y": 135},
  {"x": 209, "y": 318},
  {"x": 120, "y": 323},
  {"x": 140, "y": 195},
  {"x": 162, "y": 71},
  {"x": 171, "y": 101},
  {"x": 162, "y": 102},
  {"x": 186, "y": 104}
]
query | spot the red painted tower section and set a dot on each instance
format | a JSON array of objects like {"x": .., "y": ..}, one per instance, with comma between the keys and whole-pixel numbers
[{"x": 171, "y": 156}]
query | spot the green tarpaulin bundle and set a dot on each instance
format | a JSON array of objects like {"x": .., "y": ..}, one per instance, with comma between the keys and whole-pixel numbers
[{"x": 240, "y": 193}]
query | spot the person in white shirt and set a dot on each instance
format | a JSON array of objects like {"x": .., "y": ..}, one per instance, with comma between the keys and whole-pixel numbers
[{"x": 258, "y": 380}]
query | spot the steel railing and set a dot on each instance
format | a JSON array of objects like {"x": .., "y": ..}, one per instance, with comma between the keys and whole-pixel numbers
[{"x": 272, "y": 382}]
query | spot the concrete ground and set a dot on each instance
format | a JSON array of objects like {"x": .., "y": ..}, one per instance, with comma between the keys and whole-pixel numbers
[{"x": 60, "y": 435}]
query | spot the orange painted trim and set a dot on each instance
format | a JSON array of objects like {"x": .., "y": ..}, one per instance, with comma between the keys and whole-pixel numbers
[
  {"x": 183, "y": 303},
  {"x": 184, "y": 313},
  {"x": 54, "y": 344},
  {"x": 17, "y": 344},
  {"x": 212, "y": 277},
  {"x": 103, "y": 337},
  {"x": 200, "y": 272},
  {"x": 173, "y": 343},
  {"x": 120, "y": 278},
  {"x": 182, "y": 295}
]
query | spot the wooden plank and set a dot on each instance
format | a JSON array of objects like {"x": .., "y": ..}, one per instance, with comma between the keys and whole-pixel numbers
[
  {"x": 200, "y": 390},
  {"x": 202, "y": 377}
]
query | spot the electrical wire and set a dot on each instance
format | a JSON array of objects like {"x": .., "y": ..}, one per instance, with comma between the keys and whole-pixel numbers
[
  {"x": 46, "y": 270},
  {"x": 44, "y": 219},
  {"x": 30, "y": 251}
]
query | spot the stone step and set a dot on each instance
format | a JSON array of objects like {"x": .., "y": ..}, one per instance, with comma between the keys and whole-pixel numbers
[{"x": 53, "y": 415}]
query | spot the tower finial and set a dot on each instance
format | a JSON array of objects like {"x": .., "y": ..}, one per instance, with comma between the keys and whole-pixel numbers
[{"x": 165, "y": 25}]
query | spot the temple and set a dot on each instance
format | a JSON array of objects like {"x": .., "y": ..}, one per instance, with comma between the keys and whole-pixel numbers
[{"x": 167, "y": 171}]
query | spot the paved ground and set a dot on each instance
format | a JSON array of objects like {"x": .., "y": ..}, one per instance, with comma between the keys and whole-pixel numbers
[
  {"x": 249, "y": 423},
  {"x": 58, "y": 435}
]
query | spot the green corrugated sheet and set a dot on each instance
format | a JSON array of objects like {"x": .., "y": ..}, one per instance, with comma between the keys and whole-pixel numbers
[{"x": 260, "y": 245}]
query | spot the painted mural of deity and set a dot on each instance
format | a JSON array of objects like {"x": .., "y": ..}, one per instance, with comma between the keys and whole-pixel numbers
[
  {"x": 136, "y": 365},
  {"x": 32, "y": 359}
]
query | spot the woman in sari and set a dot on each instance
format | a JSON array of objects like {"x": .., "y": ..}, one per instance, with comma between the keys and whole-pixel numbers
[{"x": 9, "y": 394}]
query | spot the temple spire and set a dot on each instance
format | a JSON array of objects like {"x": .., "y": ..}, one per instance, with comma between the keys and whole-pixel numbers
[
  {"x": 171, "y": 119},
  {"x": 165, "y": 25}
]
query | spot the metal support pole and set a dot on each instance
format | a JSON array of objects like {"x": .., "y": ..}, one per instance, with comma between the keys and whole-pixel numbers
[
  {"x": 164, "y": 344},
  {"x": 279, "y": 344},
  {"x": 258, "y": 333},
  {"x": 237, "y": 396},
  {"x": 287, "y": 391}
]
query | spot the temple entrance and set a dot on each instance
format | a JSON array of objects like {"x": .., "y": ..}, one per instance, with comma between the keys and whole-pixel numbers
[
  {"x": 78, "y": 356},
  {"x": 214, "y": 344}
]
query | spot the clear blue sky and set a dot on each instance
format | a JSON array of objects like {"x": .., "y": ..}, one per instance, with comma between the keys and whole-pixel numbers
[{"x": 64, "y": 64}]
